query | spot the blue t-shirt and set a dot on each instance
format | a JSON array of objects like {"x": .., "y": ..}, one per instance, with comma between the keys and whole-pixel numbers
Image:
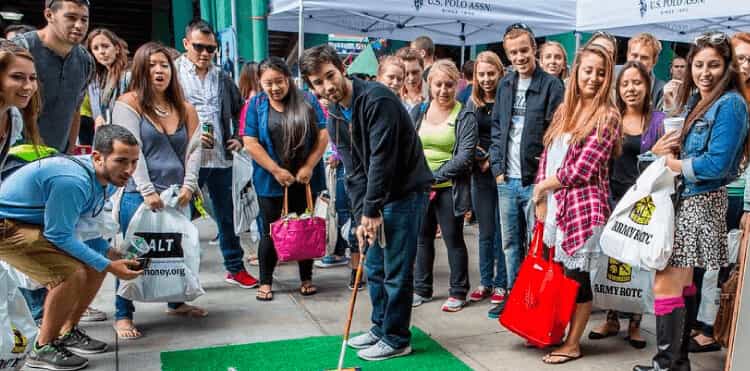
[
  {"x": 347, "y": 112},
  {"x": 55, "y": 193}
]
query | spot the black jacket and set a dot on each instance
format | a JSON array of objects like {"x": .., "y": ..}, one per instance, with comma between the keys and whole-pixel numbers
[
  {"x": 380, "y": 149},
  {"x": 231, "y": 104},
  {"x": 545, "y": 93},
  {"x": 458, "y": 168}
]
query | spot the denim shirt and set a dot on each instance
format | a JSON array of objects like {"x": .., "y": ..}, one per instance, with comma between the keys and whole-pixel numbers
[
  {"x": 712, "y": 149},
  {"x": 256, "y": 125}
]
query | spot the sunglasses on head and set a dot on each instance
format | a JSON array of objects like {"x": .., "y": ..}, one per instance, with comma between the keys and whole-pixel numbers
[
  {"x": 605, "y": 35},
  {"x": 713, "y": 38},
  {"x": 518, "y": 26},
  {"x": 201, "y": 47}
]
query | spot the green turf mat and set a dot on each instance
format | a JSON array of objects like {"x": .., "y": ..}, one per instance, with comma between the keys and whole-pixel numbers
[{"x": 307, "y": 354}]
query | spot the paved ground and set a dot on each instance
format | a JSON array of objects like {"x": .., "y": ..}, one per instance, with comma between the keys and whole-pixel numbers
[{"x": 236, "y": 317}]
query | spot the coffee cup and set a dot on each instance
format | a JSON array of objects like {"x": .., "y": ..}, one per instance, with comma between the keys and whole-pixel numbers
[
  {"x": 673, "y": 123},
  {"x": 136, "y": 248}
]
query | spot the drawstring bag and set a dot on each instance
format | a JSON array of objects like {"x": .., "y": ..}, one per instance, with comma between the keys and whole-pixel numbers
[
  {"x": 246, "y": 208},
  {"x": 300, "y": 237}
]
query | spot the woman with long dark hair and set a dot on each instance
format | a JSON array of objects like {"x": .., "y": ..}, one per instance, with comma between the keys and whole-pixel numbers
[
  {"x": 285, "y": 136},
  {"x": 166, "y": 126},
  {"x": 712, "y": 144},
  {"x": 572, "y": 190},
  {"x": 111, "y": 75},
  {"x": 20, "y": 100},
  {"x": 448, "y": 132},
  {"x": 488, "y": 70},
  {"x": 641, "y": 128}
]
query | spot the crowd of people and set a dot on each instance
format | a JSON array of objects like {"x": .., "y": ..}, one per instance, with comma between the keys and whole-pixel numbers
[{"x": 543, "y": 140}]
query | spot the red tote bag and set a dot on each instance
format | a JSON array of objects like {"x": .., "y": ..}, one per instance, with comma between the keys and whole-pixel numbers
[
  {"x": 299, "y": 238},
  {"x": 542, "y": 300}
]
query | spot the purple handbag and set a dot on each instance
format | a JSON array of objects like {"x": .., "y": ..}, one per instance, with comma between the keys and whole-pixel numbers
[{"x": 299, "y": 238}]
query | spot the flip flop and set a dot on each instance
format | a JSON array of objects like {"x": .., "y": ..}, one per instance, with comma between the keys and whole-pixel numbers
[
  {"x": 308, "y": 289},
  {"x": 263, "y": 295},
  {"x": 565, "y": 358},
  {"x": 189, "y": 311},
  {"x": 131, "y": 329}
]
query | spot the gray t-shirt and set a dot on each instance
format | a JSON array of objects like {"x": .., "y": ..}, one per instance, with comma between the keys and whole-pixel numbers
[
  {"x": 62, "y": 82},
  {"x": 516, "y": 129}
]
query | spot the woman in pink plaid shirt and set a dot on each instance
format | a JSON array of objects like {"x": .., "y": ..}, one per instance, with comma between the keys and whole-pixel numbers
[{"x": 573, "y": 181}]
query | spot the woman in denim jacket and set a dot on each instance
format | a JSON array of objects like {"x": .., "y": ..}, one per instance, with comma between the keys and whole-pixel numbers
[{"x": 711, "y": 146}]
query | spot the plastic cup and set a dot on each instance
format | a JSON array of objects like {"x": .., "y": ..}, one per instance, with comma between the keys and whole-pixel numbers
[
  {"x": 136, "y": 248},
  {"x": 673, "y": 123}
]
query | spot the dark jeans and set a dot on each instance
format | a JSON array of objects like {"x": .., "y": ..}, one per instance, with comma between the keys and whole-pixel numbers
[
  {"x": 491, "y": 257},
  {"x": 219, "y": 184},
  {"x": 129, "y": 203},
  {"x": 343, "y": 214},
  {"x": 270, "y": 208},
  {"x": 390, "y": 270},
  {"x": 440, "y": 211},
  {"x": 86, "y": 132}
]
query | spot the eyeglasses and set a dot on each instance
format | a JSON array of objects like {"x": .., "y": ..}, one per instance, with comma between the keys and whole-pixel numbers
[
  {"x": 518, "y": 26},
  {"x": 742, "y": 59},
  {"x": 713, "y": 38},
  {"x": 204, "y": 47}
]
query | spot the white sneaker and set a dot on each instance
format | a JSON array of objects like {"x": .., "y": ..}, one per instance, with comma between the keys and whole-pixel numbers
[
  {"x": 381, "y": 351},
  {"x": 363, "y": 341}
]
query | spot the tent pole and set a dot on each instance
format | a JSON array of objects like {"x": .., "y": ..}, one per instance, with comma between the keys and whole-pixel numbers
[
  {"x": 578, "y": 40},
  {"x": 237, "y": 52},
  {"x": 300, "y": 41},
  {"x": 463, "y": 45}
]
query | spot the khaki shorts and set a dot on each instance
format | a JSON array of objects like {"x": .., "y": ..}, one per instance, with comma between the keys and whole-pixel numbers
[{"x": 24, "y": 247}]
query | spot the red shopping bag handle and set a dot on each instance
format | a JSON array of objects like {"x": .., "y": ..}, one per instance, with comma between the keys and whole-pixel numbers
[{"x": 537, "y": 240}]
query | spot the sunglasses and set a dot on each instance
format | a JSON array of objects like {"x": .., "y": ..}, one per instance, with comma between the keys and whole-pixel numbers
[
  {"x": 518, "y": 26},
  {"x": 201, "y": 47},
  {"x": 713, "y": 38}
]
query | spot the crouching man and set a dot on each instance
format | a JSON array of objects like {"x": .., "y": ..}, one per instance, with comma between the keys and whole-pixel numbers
[{"x": 40, "y": 205}]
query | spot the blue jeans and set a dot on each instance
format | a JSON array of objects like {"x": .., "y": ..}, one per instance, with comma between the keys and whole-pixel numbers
[
  {"x": 516, "y": 223},
  {"x": 219, "y": 183},
  {"x": 390, "y": 270},
  {"x": 491, "y": 258},
  {"x": 343, "y": 214},
  {"x": 35, "y": 301},
  {"x": 129, "y": 203}
]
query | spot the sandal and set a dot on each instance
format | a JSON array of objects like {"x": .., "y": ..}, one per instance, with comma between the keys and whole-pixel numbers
[
  {"x": 129, "y": 332},
  {"x": 564, "y": 358},
  {"x": 264, "y": 295},
  {"x": 307, "y": 289},
  {"x": 188, "y": 310},
  {"x": 612, "y": 322}
]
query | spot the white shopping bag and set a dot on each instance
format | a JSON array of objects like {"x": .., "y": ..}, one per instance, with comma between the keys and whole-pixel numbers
[
  {"x": 640, "y": 231},
  {"x": 103, "y": 225},
  {"x": 619, "y": 286},
  {"x": 17, "y": 328},
  {"x": 245, "y": 199},
  {"x": 22, "y": 280},
  {"x": 325, "y": 207},
  {"x": 172, "y": 275}
]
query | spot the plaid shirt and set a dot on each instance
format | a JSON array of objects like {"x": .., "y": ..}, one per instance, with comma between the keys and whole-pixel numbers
[{"x": 583, "y": 199}]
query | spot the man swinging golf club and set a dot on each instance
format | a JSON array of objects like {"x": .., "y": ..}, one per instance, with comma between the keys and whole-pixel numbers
[{"x": 387, "y": 181}]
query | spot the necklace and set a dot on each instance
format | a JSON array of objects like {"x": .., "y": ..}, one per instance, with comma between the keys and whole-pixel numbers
[{"x": 160, "y": 111}]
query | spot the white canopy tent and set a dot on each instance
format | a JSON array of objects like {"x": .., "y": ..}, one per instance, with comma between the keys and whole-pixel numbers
[
  {"x": 451, "y": 22},
  {"x": 673, "y": 20}
]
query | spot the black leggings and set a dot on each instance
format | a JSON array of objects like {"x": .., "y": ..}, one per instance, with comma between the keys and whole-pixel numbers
[
  {"x": 440, "y": 212},
  {"x": 271, "y": 207},
  {"x": 585, "y": 294}
]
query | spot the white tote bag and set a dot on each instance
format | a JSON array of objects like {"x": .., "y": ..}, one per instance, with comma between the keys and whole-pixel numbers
[
  {"x": 640, "y": 231},
  {"x": 245, "y": 198},
  {"x": 172, "y": 275},
  {"x": 619, "y": 286},
  {"x": 17, "y": 328}
]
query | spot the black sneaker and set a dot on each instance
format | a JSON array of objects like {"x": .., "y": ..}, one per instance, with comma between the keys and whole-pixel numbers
[
  {"x": 78, "y": 342},
  {"x": 495, "y": 311},
  {"x": 55, "y": 357},
  {"x": 362, "y": 280}
]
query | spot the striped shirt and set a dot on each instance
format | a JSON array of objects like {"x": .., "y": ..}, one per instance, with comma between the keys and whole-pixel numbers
[{"x": 204, "y": 95}]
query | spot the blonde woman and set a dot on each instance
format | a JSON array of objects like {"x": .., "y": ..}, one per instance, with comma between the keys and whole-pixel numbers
[
  {"x": 488, "y": 70},
  {"x": 554, "y": 59},
  {"x": 448, "y": 133}
]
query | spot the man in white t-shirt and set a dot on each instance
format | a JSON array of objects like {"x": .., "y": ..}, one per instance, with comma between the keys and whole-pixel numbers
[{"x": 525, "y": 102}]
